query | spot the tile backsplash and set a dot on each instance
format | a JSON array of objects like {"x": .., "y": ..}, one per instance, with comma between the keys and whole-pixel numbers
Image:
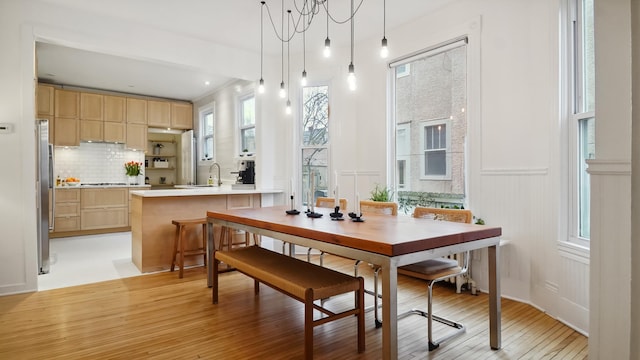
[{"x": 95, "y": 162}]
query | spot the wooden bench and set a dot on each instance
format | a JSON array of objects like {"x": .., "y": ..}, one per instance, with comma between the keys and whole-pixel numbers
[{"x": 299, "y": 279}]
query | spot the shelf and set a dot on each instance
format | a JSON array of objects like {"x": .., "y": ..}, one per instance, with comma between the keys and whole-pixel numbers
[
  {"x": 163, "y": 141},
  {"x": 157, "y": 168},
  {"x": 160, "y": 156}
]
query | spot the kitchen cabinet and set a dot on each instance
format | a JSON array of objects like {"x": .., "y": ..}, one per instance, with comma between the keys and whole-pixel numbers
[
  {"x": 45, "y": 100},
  {"x": 66, "y": 210},
  {"x": 136, "y": 111},
  {"x": 136, "y": 137},
  {"x": 115, "y": 132},
  {"x": 159, "y": 114},
  {"x": 91, "y": 106},
  {"x": 102, "y": 208},
  {"x": 91, "y": 130},
  {"x": 181, "y": 115},
  {"x": 66, "y": 132},
  {"x": 45, "y": 105},
  {"x": 115, "y": 108},
  {"x": 67, "y": 104}
]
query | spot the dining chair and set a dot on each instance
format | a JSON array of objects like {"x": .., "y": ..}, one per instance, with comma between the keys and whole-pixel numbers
[
  {"x": 327, "y": 202},
  {"x": 378, "y": 208},
  {"x": 435, "y": 270}
]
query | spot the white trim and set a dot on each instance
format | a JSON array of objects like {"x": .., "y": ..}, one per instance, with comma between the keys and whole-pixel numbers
[
  {"x": 609, "y": 167},
  {"x": 514, "y": 171}
]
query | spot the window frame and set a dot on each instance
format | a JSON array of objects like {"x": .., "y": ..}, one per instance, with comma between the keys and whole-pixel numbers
[
  {"x": 202, "y": 112},
  {"x": 300, "y": 184},
  {"x": 423, "y": 126},
  {"x": 576, "y": 111},
  {"x": 240, "y": 121}
]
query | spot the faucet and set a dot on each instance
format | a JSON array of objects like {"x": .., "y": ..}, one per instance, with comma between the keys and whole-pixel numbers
[{"x": 218, "y": 166}]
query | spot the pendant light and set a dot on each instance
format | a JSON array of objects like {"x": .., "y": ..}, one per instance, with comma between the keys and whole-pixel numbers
[
  {"x": 283, "y": 92},
  {"x": 327, "y": 42},
  {"x": 303, "y": 79},
  {"x": 351, "y": 78},
  {"x": 384, "y": 51},
  {"x": 288, "y": 108},
  {"x": 261, "y": 84}
]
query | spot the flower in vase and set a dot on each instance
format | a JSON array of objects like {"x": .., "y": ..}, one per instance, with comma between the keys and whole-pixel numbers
[{"x": 133, "y": 168}]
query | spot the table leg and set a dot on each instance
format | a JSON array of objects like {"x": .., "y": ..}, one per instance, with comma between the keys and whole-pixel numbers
[
  {"x": 389, "y": 312},
  {"x": 495, "y": 311},
  {"x": 210, "y": 247}
]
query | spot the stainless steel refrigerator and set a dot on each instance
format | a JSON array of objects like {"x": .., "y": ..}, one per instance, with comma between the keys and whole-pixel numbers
[{"x": 45, "y": 188}]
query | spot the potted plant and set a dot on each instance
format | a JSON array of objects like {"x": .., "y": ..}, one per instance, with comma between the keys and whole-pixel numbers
[{"x": 381, "y": 193}]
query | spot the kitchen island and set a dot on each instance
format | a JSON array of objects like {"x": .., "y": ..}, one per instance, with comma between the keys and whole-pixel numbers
[{"x": 152, "y": 211}]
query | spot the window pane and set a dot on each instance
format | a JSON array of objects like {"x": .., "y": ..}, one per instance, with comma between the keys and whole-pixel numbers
[
  {"x": 587, "y": 151},
  {"x": 248, "y": 112},
  {"x": 315, "y": 161},
  {"x": 208, "y": 124},
  {"x": 435, "y": 163},
  {"x": 588, "y": 57},
  {"x": 208, "y": 148},
  {"x": 431, "y": 127},
  {"x": 315, "y": 115},
  {"x": 248, "y": 139}
]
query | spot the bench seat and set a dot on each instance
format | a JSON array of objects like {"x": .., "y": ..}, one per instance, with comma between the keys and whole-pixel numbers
[{"x": 301, "y": 280}]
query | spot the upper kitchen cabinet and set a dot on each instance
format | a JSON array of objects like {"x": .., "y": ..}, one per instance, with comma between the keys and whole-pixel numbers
[
  {"x": 136, "y": 137},
  {"x": 115, "y": 113},
  {"x": 115, "y": 108},
  {"x": 91, "y": 106},
  {"x": 136, "y": 111},
  {"x": 67, "y": 132},
  {"x": 181, "y": 115},
  {"x": 159, "y": 114},
  {"x": 67, "y": 104},
  {"x": 45, "y": 100}
]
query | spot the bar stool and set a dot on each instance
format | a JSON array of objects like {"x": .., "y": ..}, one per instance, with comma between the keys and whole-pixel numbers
[{"x": 180, "y": 238}]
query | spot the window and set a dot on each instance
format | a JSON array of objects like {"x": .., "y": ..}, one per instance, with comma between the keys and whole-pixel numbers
[
  {"x": 403, "y": 70},
  {"x": 248, "y": 124},
  {"x": 435, "y": 145},
  {"x": 429, "y": 101},
  {"x": 315, "y": 142},
  {"x": 207, "y": 125},
  {"x": 580, "y": 107}
]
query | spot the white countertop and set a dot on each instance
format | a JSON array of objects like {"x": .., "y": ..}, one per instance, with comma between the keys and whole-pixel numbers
[
  {"x": 81, "y": 186},
  {"x": 201, "y": 190}
]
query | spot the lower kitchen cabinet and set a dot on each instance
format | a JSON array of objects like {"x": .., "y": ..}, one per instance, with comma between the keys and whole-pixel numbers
[
  {"x": 102, "y": 208},
  {"x": 66, "y": 210}
]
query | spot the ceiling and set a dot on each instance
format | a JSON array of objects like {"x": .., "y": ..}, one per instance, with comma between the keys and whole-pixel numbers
[{"x": 233, "y": 24}]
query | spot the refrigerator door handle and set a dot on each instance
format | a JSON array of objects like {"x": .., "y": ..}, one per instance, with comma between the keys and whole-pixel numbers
[{"x": 52, "y": 186}]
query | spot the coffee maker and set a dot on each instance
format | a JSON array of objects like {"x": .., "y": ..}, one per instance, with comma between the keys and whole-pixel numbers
[{"x": 246, "y": 175}]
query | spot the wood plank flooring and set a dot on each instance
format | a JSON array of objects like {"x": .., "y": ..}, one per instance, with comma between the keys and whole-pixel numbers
[{"x": 159, "y": 316}]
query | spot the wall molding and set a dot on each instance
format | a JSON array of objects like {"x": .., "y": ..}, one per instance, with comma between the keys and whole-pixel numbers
[
  {"x": 514, "y": 171},
  {"x": 609, "y": 167}
]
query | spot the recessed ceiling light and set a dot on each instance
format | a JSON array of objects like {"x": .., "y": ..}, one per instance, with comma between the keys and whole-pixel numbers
[{"x": 207, "y": 83}]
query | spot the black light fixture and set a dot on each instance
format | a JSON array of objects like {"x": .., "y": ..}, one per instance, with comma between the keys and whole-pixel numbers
[
  {"x": 283, "y": 92},
  {"x": 384, "y": 51},
  {"x": 261, "y": 83},
  {"x": 351, "y": 77},
  {"x": 288, "y": 107},
  {"x": 304, "y": 14},
  {"x": 303, "y": 79},
  {"x": 327, "y": 41}
]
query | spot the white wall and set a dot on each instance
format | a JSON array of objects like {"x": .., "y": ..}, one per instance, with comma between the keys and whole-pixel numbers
[{"x": 514, "y": 139}]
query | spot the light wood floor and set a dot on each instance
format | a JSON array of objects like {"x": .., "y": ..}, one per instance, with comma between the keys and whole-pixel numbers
[{"x": 159, "y": 316}]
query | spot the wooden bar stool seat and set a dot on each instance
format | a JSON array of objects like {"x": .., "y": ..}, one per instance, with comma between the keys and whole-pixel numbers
[{"x": 180, "y": 239}]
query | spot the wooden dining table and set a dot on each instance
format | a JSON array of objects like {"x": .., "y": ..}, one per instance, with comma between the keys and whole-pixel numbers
[{"x": 386, "y": 241}]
